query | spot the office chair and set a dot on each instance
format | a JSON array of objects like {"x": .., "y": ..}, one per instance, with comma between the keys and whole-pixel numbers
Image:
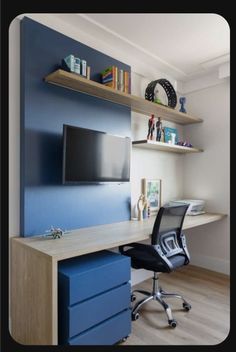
[{"x": 167, "y": 252}]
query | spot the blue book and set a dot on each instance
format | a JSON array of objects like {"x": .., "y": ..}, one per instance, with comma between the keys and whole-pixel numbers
[
  {"x": 110, "y": 76},
  {"x": 107, "y": 80}
]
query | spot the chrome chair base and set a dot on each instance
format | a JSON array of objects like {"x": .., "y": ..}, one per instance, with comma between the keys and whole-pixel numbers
[{"x": 157, "y": 294}]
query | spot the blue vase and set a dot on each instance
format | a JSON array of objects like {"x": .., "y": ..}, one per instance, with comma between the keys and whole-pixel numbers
[{"x": 182, "y": 101}]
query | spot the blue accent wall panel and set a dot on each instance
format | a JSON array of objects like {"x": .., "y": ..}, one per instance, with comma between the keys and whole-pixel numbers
[{"x": 45, "y": 201}]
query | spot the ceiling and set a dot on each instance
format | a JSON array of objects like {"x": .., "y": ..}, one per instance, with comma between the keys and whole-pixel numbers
[
  {"x": 184, "y": 47},
  {"x": 188, "y": 45}
]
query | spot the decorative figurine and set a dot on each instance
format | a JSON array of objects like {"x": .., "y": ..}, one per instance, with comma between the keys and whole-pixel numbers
[
  {"x": 158, "y": 129},
  {"x": 141, "y": 204},
  {"x": 182, "y": 101},
  {"x": 151, "y": 127},
  {"x": 151, "y": 93},
  {"x": 54, "y": 232},
  {"x": 185, "y": 144}
]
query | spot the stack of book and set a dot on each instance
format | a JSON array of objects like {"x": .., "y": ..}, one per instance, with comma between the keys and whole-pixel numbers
[
  {"x": 116, "y": 79},
  {"x": 74, "y": 64}
]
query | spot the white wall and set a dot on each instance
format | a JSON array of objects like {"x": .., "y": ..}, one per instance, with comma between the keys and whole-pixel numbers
[
  {"x": 207, "y": 174},
  {"x": 150, "y": 163}
]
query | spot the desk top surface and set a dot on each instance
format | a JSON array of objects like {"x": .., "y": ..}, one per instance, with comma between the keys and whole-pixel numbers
[{"x": 96, "y": 238}]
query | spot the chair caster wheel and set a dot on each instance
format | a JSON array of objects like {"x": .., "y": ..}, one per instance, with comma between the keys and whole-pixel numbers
[
  {"x": 133, "y": 298},
  {"x": 135, "y": 316},
  {"x": 172, "y": 323},
  {"x": 187, "y": 306}
]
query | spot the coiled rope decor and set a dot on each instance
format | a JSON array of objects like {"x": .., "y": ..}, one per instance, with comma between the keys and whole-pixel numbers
[{"x": 167, "y": 86}]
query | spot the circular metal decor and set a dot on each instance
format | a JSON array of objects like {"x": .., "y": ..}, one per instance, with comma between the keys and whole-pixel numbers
[{"x": 167, "y": 86}]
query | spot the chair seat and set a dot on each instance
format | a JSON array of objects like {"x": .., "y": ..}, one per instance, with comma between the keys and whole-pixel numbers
[{"x": 143, "y": 260}]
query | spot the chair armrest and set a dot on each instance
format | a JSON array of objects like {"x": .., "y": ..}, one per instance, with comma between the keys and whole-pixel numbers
[
  {"x": 145, "y": 247},
  {"x": 154, "y": 250},
  {"x": 184, "y": 247}
]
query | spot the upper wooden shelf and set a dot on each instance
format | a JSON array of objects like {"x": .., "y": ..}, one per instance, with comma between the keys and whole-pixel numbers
[
  {"x": 165, "y": 147},
  {"x": 137, "y": 104}
]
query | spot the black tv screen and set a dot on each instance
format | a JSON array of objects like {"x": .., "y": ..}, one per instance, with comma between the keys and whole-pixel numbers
[{"x": 94, "y": 157}]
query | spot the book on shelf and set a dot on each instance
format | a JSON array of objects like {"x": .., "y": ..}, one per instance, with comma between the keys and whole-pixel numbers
[
  {"x": 116, "y": 78},
  {"x": 121, "y": 80},
  {"x": 126, "y": 82},
  {"x": 108, "y": 76},
  {"x": 88, "y": 72},
  {"x": 68, "y": 63},
  {"x": 76, "y": 65},
  {"x": 84, "y": 68}
]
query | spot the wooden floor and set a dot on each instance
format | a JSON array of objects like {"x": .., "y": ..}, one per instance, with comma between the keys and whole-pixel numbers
[{"x": 207, "y": 323}]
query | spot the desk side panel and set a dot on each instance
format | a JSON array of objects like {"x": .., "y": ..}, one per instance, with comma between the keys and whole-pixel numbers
[{"x": 33, "y": 296}]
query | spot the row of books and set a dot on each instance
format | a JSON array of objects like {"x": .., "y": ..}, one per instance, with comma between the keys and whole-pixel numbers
[
  {"x": 116, "y": 78},
  {"x": 74, "y": 64}
]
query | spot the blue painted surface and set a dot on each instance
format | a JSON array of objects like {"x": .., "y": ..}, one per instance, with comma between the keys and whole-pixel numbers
[
  {"x": 95, "y": 310},
  {"x": 108, "y": 332},
  {"x": 94, "y": 292},
  {"x": 44, "y": 110},
  {"x": 92, "y": 274}
]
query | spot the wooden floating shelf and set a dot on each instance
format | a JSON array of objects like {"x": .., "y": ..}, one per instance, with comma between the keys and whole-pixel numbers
[
  {"x": 148, "y": 144},
  {"x": 137, "y": 104}
]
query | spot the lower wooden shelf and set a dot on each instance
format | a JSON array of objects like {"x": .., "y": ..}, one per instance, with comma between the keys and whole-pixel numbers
[{"x": 148, "y": 144}]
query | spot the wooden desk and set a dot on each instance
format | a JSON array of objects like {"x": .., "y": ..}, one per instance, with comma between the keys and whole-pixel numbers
[{"x": 34, "y": 266}]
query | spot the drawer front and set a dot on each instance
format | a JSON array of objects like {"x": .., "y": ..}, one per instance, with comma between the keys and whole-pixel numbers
[
  {"x": 93, "y": 311},
  {"x": 99, "y": 280},
  {"x": 91, "y": 282},
  {"x": 108, "y": 332}
]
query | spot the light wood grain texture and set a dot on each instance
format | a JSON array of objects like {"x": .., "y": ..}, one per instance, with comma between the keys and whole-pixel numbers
[
  {"x": 33, "y": 296},
  {"x": 137, "y": 104},
  {"x": 96, "y": 238},
  {"x": 165, "y": 147},
  {"x": 207, "y": 323},
  {"x": 34, "y": 273}
]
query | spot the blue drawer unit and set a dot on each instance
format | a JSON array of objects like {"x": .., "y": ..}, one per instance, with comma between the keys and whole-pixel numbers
[
  {"x": 94, "y": 299},
  {"x": 107, "y": 333}
]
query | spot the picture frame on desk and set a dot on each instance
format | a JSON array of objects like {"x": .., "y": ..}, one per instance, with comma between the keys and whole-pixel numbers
[{"x": 151, "y": 188}]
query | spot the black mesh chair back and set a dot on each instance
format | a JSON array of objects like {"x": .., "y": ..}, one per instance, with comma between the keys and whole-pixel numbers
[
  {"x": 167, "y": 229},
  {"x": 167, "y": 237}
]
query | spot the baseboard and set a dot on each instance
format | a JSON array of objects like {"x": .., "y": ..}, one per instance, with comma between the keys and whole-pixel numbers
[{"x": 211, "y": 263}]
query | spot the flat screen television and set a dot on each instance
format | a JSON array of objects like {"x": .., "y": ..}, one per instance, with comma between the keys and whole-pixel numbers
[{"x": 94, "y": 157}]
